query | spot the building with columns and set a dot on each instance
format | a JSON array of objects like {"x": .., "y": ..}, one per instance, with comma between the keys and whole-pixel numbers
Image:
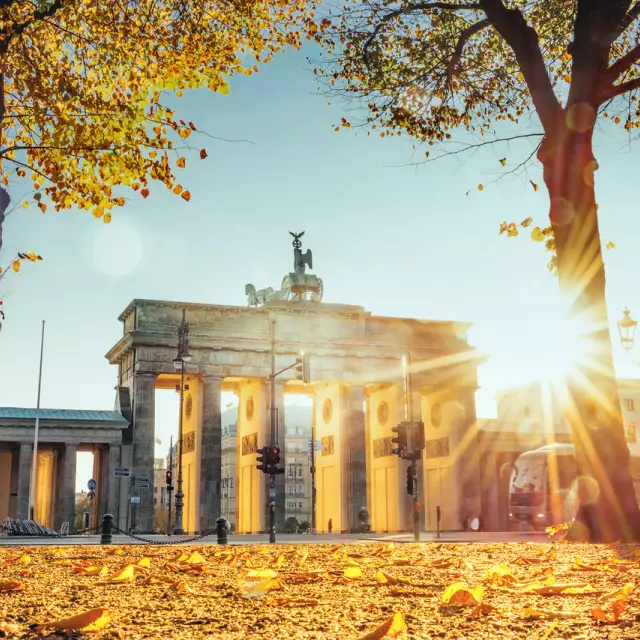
[
  {"x": 357, "y": 385},
  {"x": 62, "y": 434}
]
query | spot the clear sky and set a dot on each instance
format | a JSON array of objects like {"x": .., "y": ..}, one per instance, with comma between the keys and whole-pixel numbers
[{"x": 401, "y": 241}]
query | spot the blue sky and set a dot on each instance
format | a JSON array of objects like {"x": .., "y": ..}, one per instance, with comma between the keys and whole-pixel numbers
[{"x": 400, "y": 241}]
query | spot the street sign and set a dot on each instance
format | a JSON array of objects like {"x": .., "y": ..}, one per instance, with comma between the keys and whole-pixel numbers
[
  {"x": 135, "y": 499},
  {"x": 141, "y": 485},
  {"x": 122, "y": 472},
  {"x": 142, "y": 477},
  {"x": 91, "y": 485},
  {"x": 91, "y": 495}
]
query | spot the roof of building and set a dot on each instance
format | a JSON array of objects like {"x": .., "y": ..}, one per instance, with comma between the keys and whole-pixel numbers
[{"x": 79, "y": 415}]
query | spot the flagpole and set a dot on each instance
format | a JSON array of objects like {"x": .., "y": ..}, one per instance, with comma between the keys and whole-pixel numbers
[{"x": 34, "y": 459}]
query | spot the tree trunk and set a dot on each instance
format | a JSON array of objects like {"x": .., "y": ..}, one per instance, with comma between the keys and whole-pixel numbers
[{"x": 608, "y": 508}]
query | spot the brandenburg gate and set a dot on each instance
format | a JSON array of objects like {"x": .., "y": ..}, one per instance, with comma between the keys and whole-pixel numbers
[{"x": 358, "y": 390}]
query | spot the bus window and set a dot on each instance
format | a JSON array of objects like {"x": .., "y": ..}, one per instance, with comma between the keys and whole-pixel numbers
[{"x": 528, "y": 481}]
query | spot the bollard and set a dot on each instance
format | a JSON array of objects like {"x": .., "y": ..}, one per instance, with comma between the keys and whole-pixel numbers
[
  {"x": 222, "y": 530},
  {"x": 438, "y": 520},
  {"x": 107, "y": 528}
]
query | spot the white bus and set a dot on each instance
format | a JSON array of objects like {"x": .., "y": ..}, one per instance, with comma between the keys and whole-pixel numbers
[{"x": 542, "y": 490}]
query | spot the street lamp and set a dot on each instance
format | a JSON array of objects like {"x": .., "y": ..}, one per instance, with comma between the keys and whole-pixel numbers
[
  {"x": 179, "y": 362},
  {"x": 627, "y": 329}
]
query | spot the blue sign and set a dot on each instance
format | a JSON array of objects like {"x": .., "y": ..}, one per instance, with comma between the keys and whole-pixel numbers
[{"x": 91, "y": 485}]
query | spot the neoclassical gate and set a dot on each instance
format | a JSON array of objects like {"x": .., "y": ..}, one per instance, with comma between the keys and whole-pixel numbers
[{"x": 356, "y": 363}]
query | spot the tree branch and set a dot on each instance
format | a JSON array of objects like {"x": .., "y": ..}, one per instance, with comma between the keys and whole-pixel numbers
[
  {"x": 629, "y": 18},
  {"x": 619, "y": 89},
  {"x": 622, "y": 65},
  {"x": 462, "y": 40},
  {"x": 523, "y": 40},
  {"x": 413, "y": 8}
]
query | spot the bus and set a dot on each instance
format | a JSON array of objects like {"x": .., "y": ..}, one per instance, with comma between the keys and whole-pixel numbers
[{"x": 542, "y": 490}]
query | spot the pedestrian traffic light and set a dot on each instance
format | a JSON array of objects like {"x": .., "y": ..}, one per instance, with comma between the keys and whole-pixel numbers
[
  {"x": 273, "y": 460},
  {"x": 410, "y": 480},
  {"x": 262, "y": 461},
  {"x": 400, "y": 440},
  {"x": 169, "y": 479},
  {"x": 303, "y": 369},
  {"x": 275, "y": 456}
]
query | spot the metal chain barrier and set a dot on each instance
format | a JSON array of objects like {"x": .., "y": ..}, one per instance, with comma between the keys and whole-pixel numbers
[{"x": 161, "y": 542}]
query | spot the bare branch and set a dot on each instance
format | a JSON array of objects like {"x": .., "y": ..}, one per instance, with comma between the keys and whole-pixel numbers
[
  {"x": 523, "y": 40},
  {"x": 629, "y": 18},
  {"x": 462, "y": 40},
  {"x": 622, "y": 65},
  {"x": 414, "y": 8}
]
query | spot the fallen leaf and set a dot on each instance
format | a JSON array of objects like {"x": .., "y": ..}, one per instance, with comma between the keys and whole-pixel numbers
[
  {"x": 145, "y": 563},
  {"x": 92, "y": 620},
  {"x": 262, "y": 574},
  {"x": 483, "y": 609},
  {"x": 295, "y": 602},
  {"x": 126, "y": 574},
  {"x": 548, "y": 632},
  {"x": 392, "y": 628},
  {"x": 182, "y": 587},
  {"x": 11, "y": 585},
  {"x": 385, "y": 578},
  {"x": 195, "y": 558},
  {"x": 353, "y": 572},
  {"x": 458, "y": 594}
]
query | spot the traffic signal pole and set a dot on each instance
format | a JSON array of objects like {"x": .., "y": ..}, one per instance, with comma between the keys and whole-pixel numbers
[{"x": 416, "y": 451}]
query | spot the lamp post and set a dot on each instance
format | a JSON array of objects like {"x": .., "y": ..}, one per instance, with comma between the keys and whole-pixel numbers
[
  {"x": 179, "y": 362},
  {"x": 627, "y": 330}
]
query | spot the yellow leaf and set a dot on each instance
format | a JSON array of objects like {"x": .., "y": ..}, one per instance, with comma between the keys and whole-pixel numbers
[
  {"x": 25, "y": 204},
  {"x": 224, "y": 89},
  {"x": 93, "y": 620},
  {"x": 353, "y": 572},
  {"x": 126, "y": 574},
  {"x": 186, "y": 195},
  {"x": 25, "y": 559},
  {"x": 182, "y": 587},
  {"x": 16, "y": 265},
  {"x": 480, "y": 187},
  {"x": 257, "y": 589},
  {"x": 537, "y": 235},
  {"x": 145, "y": 563},
  {"x": 279, "y": 561},
  {"x": 610, "y": 245},
  {"x": 534, "y": 185},
  {"x": 181, "y": 162},
  {"x": 503, "y": 161},
  {"x": 392, "y": 628},
  {"x": 106, "y": 218},
  {"x": 483, "y": 609},
  {"x": 185, "y": 133},
  {"x": 499, "y": 575},
  {"x": 351, "y": 562},
  {"x": 598, "y": 614},
  {"x": 303, "y": 558},
  {"x": 461, "y": 595},
  {"x": 177, "y": 189},
  {"x": 548, "y": 632},
  {"x": 195, "y": 558},
  {"x": 385, "y": 578}
]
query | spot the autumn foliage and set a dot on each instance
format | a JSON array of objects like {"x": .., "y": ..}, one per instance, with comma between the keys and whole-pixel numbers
[{"x": 84, "y": 86}]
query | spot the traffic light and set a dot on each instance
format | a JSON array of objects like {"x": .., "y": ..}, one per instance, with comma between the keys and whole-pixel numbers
[
  {"x": 416, "y": 441},
  {"x": 273, "y": 460},
  {"x": 410, "y": 480},
  {"x": 169, "y": 479},
  {"x": 262, "y": 461},
  {"x": 303, "y": 369},
  {"x": 400, "y": 440}
]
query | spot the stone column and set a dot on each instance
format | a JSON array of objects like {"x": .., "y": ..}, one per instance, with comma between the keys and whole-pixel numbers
[
  {"x": 211, "y": 457},
  {"x": 113, "y": 484},
  {"x": 354, "y": 423},
  {"x": 24, "y": 475},
  {"x": 144, "y": 387},
  {"x": 65, "y": 510}
]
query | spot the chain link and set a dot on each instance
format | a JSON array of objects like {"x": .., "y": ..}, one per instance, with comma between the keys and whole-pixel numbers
[{"x": 161, "y": 542}]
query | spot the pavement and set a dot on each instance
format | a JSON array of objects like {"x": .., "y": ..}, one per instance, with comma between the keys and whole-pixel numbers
[{"x": 452, "y": 537}]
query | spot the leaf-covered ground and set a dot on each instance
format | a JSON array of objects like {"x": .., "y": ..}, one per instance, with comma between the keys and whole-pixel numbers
[{"x": 319, "y": 591}]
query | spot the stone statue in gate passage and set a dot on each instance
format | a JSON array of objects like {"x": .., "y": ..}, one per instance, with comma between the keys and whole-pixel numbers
[{"x": 297, "y": 285}]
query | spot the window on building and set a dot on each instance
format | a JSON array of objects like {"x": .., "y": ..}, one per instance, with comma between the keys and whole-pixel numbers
[
  {"x": 631, "y": 433},
  {"x": 155, "y": 489},
  {"x": 630, "y": 405},
  {"x": 291, "y": 431},
  {"x": 299, "y": 431},
  {"x": 291, "y": 505},
  {"x": 299, "y": 505},
  {"x": 527, "y": 411},
  {"x": 298, "y": 447}
]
